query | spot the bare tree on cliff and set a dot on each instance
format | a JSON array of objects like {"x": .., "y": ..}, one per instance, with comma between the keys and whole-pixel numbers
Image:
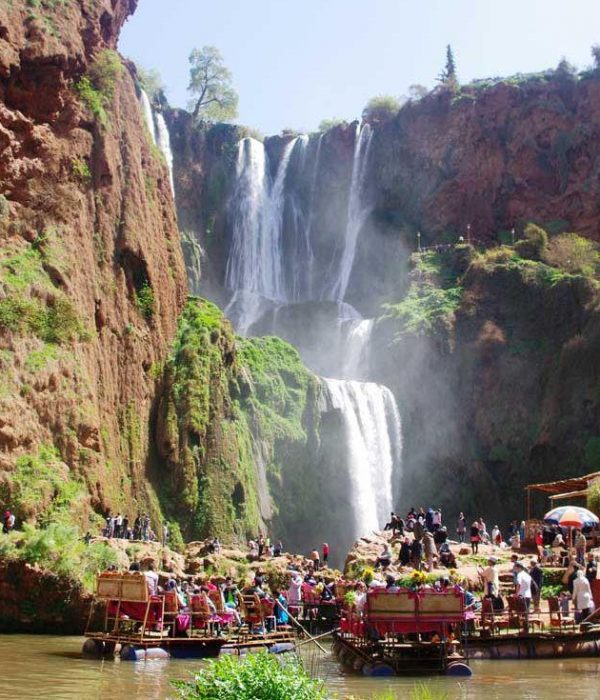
[
  {"x": 210, "y": 85},
  {"x": 448, "y": 77}
]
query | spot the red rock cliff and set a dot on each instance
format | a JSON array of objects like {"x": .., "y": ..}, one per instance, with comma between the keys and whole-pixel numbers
[{"x": 89, "y": 245}]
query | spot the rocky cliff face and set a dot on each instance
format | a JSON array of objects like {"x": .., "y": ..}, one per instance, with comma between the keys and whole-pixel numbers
[
  {"x": 501, "y": 390},
  {"x": 91, "y": 271},
  {"x": 493, "y": 157}
]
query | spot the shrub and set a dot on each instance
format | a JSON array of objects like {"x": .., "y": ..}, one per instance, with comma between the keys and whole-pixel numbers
[
  {"x": 535, "y": 243},
  {"x": 145, "y": 301},
  {"x": 105, "y": 72},
  {"x": 92, "y": 99},
  {"x": 381, "y": 108},
  {"x": 81, "y": 170},
  {"x": 59, "y": 548},
  {"x": 256, "y": 676},
  {"x": 593, "y": 497},
  {"x": 574, "y": 254},
  {"x": 96, "y": 89},
  {"x": 326, "y": 124}
]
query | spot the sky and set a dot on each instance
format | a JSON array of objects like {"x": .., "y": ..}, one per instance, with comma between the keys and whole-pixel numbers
[{"x": 296, "y": 62}]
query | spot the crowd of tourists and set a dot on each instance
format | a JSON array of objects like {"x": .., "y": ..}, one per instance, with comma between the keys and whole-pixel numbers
[
  {"x": 262, "y": 547},
  {"x": 122, "y": 527}
]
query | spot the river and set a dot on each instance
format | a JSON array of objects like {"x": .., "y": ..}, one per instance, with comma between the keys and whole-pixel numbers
[{"x": 52, "y": 667}]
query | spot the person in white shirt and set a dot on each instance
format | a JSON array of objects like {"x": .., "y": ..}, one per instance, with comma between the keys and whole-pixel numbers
[
  {"x": 582, "y": 596},
  {"x": 523, "y": 583}
]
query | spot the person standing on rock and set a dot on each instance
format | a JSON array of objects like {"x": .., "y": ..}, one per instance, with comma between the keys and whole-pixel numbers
[
  {"x": 429, "y": 549},
  {"x": 165, "y": 534},
  {"x": 416, "y": 552},
  {"x": 461, "y": 526},
  {"x": 418, "y": 530},
  {"x": 475, "y": 537},
  {"x": 325, "y": 553},
  {"x": 316, "y": 560}
]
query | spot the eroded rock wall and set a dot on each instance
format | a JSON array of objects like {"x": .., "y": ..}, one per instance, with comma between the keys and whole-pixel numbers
[{"x": 87, "y": 225}]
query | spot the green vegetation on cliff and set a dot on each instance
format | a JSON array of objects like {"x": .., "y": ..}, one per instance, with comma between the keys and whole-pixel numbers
[
  {"x": 231, "y": 412},
  {"x": 32, "y": 303}
]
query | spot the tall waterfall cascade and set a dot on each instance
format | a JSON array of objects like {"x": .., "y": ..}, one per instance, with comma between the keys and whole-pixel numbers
[
  {"x": 373, "y": 446},
  {"x": 159, "y": 132},
  {"x": 357, "y": 213},
  {"x": 272, "y": 264}
]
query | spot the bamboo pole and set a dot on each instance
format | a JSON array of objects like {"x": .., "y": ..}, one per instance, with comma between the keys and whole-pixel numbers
[
  {"x": 320, "y": 636},
  {"x": 293, "y": 619}
]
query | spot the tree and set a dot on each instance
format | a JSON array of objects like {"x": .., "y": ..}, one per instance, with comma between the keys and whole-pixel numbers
[
  {"x": 565, "y": 70},
  {"x": 534, "y": 244},
  {"x": 381, "y": 108},
  {"x": 210, "y": 85},
  {"x": 596, "y": 55},
  {"x": 417, "y": 92},
  {"x": 151, "y": 81},
  {"x": 448, "y": 76},
  {"x": 326, "y": 124}
]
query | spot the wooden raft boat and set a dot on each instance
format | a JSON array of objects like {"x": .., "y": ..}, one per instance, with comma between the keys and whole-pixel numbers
[
  {"x": 405, "y": 633},
  {"x": 519, "y": 634},
  {"x": 125, "y": 619}
]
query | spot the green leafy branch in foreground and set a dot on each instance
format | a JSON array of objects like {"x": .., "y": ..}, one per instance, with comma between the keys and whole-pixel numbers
[
  {"x": 267, "y": 677},
  {"x": 257, "y": 676}
]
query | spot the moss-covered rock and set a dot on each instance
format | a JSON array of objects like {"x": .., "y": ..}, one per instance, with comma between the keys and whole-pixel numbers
[{"x": 232, "y": 413}]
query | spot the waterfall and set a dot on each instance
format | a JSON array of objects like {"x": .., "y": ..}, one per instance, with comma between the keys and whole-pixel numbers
[
  {"x": 147, "y": 112},
  {"x": 373, "y": 433},
  {"x": 157, "y": 126},
  {"x": 164, "y": 143},
  {"x": 272, "y": 271},
  {"x": 357, "y": 211},
  {"x": 255, "y": 263}
]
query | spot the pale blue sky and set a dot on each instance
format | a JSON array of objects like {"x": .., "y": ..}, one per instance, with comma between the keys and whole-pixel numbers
[{"x": 295, "y": 62}]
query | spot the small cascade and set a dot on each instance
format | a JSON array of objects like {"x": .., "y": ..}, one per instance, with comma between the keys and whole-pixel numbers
[
  {"x": 357, "y": 212},
  {"x": 355, "y": 336},
  {"x": 147, "y": 112},
  {"x": 373, "y": 447},
  {"x": 163, "y": 141}
]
